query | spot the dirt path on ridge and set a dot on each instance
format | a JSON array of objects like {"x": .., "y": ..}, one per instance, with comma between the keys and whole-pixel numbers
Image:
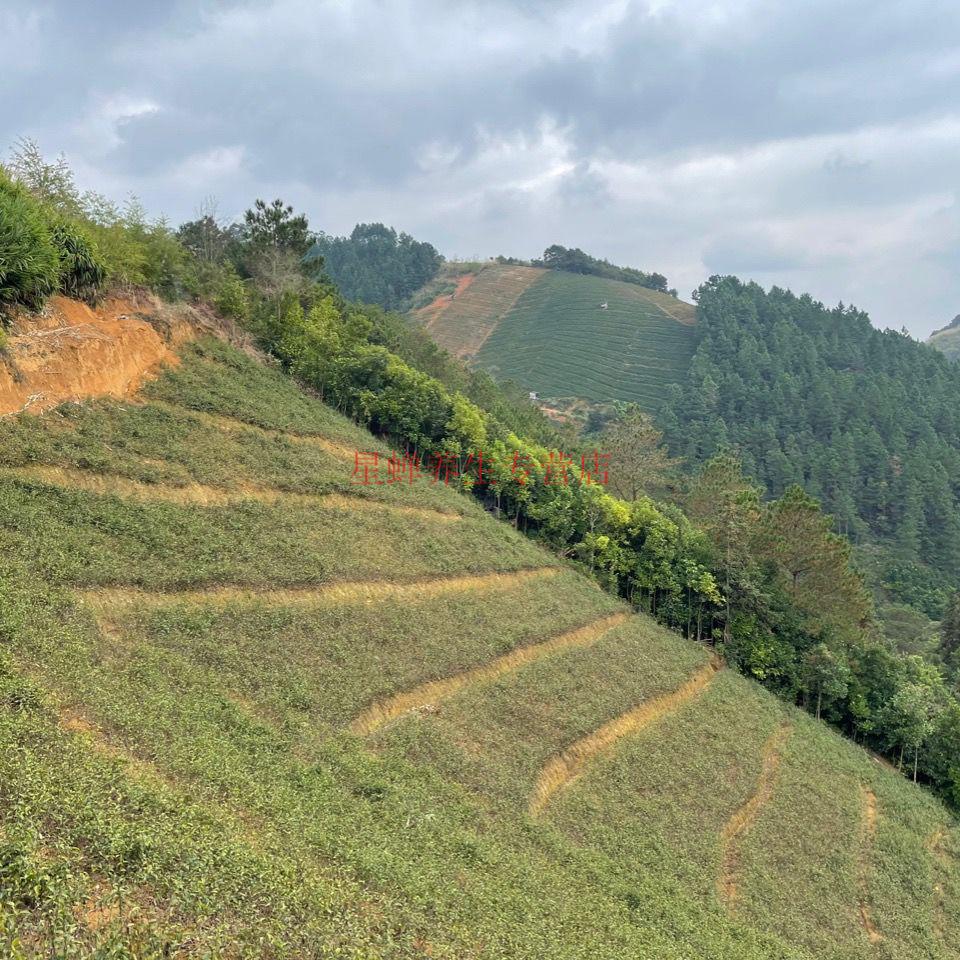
[
  {"x": 562, "y": 770},
  {"x": 747, "y": 814},
  {"x": 427, "y": 694}
]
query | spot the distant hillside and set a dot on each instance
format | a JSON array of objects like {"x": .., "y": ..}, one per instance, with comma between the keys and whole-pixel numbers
[
  {"x": 566, "y": 335},
  {"x": 867, "y": 421},
  {"x": 466, "y": 307},
  {"x": 947, "y": 340},
  {"x": 249, "y": 708}
]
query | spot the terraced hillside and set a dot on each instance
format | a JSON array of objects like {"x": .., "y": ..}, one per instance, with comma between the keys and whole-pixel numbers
[
  {"x": 559, "y": 341},
  {"x": 462, "y": 320},
  {"x": 249, "y": 708},
  {"x": 548, "y": 331}
]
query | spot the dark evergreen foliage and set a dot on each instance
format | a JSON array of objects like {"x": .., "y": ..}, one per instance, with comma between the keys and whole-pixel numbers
[
  {"x": 375, "y": 264},
  {"x": 574, "y": 260},
  {"x": 866, "y": 421}
]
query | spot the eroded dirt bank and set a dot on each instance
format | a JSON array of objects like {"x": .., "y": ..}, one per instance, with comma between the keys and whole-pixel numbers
[{"x": 69, "y": 351}]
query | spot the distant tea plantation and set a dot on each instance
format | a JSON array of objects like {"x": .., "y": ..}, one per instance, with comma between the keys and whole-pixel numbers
[{"x": 562, "y": 334}]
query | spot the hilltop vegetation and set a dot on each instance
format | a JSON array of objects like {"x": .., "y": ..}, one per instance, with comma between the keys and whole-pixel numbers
[
  {"x": 548, "y": 331},
  {"x": 947, "y": 340},
  {"x": 375, "y": 264},
  {"x": 560, "y": 341},
  {"x": 574, "y": 260},
  {"x": 567, "y": 326}
]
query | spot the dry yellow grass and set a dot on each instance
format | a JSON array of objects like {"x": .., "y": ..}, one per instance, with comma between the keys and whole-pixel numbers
[
  {"x": 746, "y": 815},
  {"x": 207, "y": 496},
  {"x": 230, "y": 425},
  {"x": 431, "y": 692},
  {"x": 869, "y": 833},
  {"x": 109, "y": 602},
  {"x": 563, "y": 769}
]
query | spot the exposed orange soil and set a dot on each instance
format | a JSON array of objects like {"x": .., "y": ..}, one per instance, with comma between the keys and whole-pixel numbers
[
  {"x": 432, "y": 310},
  {"x": 428, "y": 694},
  {"x": 462, "y": 323},
  {"x": 746, "y": 815},
  {"x": 71, "y": 351},
  {"x": 565, "y": 768},
  {"x": 100, "y": 909}
]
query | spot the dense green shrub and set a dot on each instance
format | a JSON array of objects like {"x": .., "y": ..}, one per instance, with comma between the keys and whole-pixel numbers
[
  {"x": 166, "y": 263},
  {"x": 231, "y": 297},
  {"x": 29, "y": 262},
  {"x": 82, "y": 271}
]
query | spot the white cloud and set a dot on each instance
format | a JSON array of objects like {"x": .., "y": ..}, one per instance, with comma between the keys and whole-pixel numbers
[
  {"x": 100, "y": 129},
  {"x": 680, "y": 135}
]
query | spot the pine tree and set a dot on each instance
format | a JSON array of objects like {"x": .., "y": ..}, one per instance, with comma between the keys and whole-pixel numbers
[{"x": 950, "y": 631}]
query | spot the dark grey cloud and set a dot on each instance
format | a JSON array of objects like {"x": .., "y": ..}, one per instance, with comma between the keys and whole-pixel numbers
[{"x": 809, "y": 144}]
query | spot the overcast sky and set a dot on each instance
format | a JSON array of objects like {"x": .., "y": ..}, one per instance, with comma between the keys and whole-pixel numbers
[{"x": 806, "y": 143}]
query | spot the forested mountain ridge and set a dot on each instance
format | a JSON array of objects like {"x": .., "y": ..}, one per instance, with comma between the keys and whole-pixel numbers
[{"x": 867, "y": 421}]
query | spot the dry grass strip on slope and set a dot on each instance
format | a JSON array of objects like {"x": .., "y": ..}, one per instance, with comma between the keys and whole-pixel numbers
[
  {"x": 141, "y": 770},
  {"x": 247, "y": 825},
  {"x": 746, "y": 815},
  {"x": 427, "y": 694},
  {"x": 939, "y": 857},
  {"x": 206, "y": 496},
  {"x": 563, "y": 769},
  {"x": 231, "y": 425},
  {"x": 868, "y": 837},
  {"x": 679, "y": 310},
  {"x": 106, "y": 602}
]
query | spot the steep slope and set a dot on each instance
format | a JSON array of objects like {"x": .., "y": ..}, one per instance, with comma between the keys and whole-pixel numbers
[
  {"x": 251, "y": 708},
  {"x": 947, "y": 340},
  {"x": 462, "y": 320},
  {"x": 548, "y": 331}
]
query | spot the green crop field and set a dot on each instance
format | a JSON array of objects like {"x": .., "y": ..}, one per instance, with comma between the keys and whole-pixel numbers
[
  {"x": 250, "y": 709},
  {"x": 560, "y": 342},
  {"x": 546, "y": 330}
]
